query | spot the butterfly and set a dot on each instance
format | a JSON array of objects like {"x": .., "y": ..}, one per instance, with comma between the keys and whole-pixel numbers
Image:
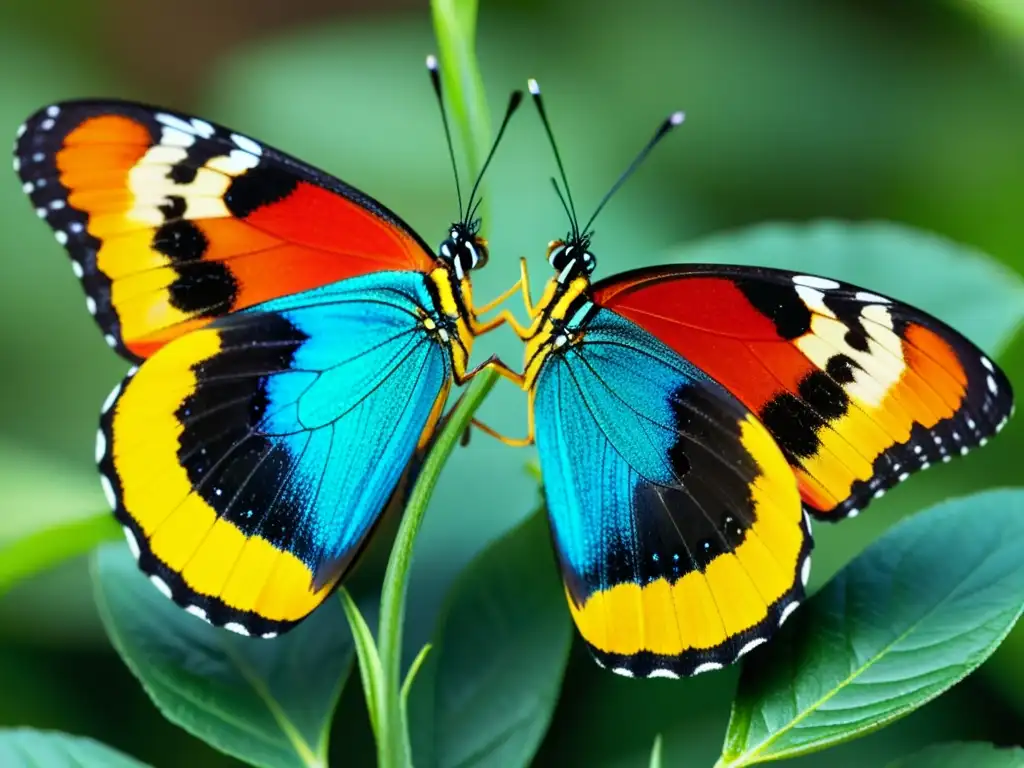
[
  {"x": 293, "y": 342},
  {"x": 690, "y": 421}
]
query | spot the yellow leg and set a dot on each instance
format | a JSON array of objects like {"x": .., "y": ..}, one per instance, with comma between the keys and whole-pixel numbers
[
  {"x": 495, "y": 363},
  {"x": 483, "y": 309},
  {"x": 522, "y": 331},
  {"x": 514, "y": 442}
]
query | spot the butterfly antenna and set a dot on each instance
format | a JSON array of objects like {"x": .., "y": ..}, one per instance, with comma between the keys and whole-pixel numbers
[
  {"x": 673, "y": 120},
  {"x": 513, "y": 104},
  {"x": 561, "y": 197},
  {"x": 435, "y": 79},
  {"x": 570, "y": 208}
]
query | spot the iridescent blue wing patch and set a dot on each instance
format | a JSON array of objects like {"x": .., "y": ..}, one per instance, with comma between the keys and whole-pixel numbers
[{"x": 249, "y": 460}]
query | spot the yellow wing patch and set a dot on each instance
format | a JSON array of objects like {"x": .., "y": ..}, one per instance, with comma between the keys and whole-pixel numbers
[{"x": 189, "y": 551}]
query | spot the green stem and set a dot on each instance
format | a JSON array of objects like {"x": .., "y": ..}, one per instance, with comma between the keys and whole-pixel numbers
[{"x": 393, "y": 746}]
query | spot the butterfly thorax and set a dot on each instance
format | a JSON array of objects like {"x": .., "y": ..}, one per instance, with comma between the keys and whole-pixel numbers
[
  {"x": 451, "y": 296},
  {"x": 562, "y": 312}
]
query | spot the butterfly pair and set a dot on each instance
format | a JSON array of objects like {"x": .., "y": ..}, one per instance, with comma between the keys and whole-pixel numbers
[{"x": 296, "y": 343}]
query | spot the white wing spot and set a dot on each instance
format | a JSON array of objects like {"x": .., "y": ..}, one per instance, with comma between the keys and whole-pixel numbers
[
  {"x": 202, "y": 128},
  {"x": 21, "y": 130},
  {"x": 815, "y": 282},
  {"x": 244, "y": 142},
  {"x": 101, "y": 445},
  {"x": 77, "y": 268},
  {"x": 161, "y": 585},
  {"x": 983, "y": 442},
  {"x": 108, "y": 491},
  {"x": 133, "y": 544},
  {"x": 174, "y": 122},
  {"x": 963, "y": 450},
  {"x": 47, "y": 124},
  {"x": 707, "y": 666},
  {"x": 76, "y": 227},
  {"x": 174, "y": 137},
  {"x": 17, "y": 164},
  {"x": 991, "y": 385},
  {"x": 788, "y": 611},
  {"x": 90, "y": 304},
  {"x": 195, "y": 610},
  {"x": 111, "y": 341},
  {"x": 903, "y": 476},
  {"x": 918, "y": 449},
  {"x": 57, "y": 204},
  {"x": 41, "y": 213},
  {"x": 751, "y": 646},
  {"x": 109, "y": 402},
  {"x": 871, "y": 298},
  {"x": 269, "y": 635},
  {"x": 853, "y": 512},
  {"x": 880, "y": 493},
  {"x": 38, "y": 157},
  {"x": 53, "y": 110},
  {"x": 622, "y": 671},
  {"x": 988, "y": 364},
  {"x": 925, "y": 465},
  {"x": 805, "y": 570},
  {"x": 28, "y": 187},
  {"x": 238, "y": 629},
  {"x": 659, "y": 672},
  {"x": 61, "y": 236}
]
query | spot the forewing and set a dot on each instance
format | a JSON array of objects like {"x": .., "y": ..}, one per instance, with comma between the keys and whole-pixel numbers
[
  {"x": 172, "y": 221},
  {"x": 860, "y": 390}
]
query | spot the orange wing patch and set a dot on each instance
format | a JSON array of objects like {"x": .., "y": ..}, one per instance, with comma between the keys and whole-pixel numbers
[{"x": 172, "y": 221}]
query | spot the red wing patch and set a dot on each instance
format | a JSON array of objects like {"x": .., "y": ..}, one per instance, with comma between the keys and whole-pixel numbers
[
  {"x": 859, "y": 390},
  {"x": 171, "y": 221}
]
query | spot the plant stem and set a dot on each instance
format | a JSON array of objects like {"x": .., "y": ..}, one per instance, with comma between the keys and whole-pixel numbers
[{"x": 393, "y": 745}]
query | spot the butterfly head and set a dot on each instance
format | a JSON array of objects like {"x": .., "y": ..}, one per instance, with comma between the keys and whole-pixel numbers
[
  {"x": 571, "y": 258},
  {"x": 464, "y": 250}
]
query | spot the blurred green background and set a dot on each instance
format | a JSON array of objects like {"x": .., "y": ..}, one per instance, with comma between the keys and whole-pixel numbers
[{"x": 911, "y": 111}]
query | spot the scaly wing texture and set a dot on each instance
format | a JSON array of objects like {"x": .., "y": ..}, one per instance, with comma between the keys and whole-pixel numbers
[
  {"x": 248, "y": 460},
  {"x": 859, "y": 390},
  {"x": 676, "y": 519},
  {"x": 171, "y": 221}
]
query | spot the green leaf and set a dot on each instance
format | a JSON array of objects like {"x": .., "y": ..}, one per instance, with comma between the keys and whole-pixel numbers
[
  {"x": 915, "y": 613},
  {"x": 29, "y": 748},
  {"x": 455, "y": 28},
  {"x": 962, "y": 754},
  {"x": 267, "y": 702},
  {"x": 369, "y": 662},
  {"x": 966, "y": 288},
  {"x": 499, "y": 655},
  {"x": 49, "y": 514}
]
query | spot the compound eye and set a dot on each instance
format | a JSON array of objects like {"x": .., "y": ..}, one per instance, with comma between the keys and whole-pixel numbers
[
  {"x": 479, "y": 253},
  {"x": 555, "y": 250},
  {"x": 589, "y": 262}
]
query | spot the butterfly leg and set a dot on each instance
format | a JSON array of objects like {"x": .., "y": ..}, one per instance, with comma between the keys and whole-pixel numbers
[
  {"x": 496, "y": 364},
  {"x": 522, "y": 331}
]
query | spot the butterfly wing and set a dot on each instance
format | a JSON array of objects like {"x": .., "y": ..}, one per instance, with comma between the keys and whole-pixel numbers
[
  {"x": 676, "y": 519},
  {"x": 859, "y": 390},
  {"x": 248, "y": 460},
  {"x": 171, "y": 221}
]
